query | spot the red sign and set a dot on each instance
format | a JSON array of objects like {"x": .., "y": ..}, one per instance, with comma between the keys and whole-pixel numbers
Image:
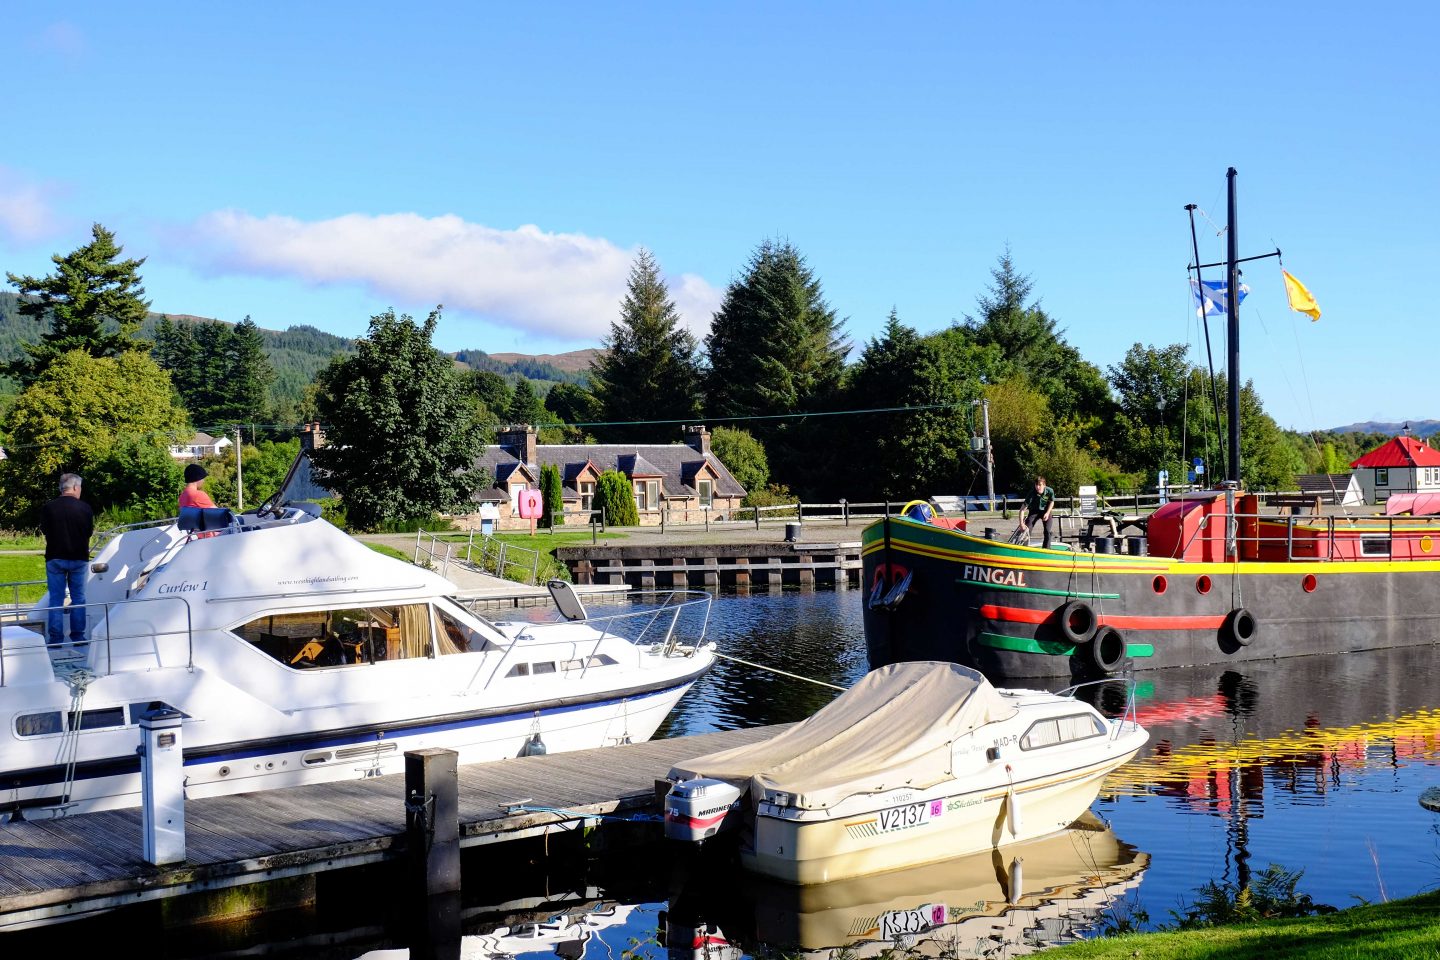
[{"x": 531, "y": 504}]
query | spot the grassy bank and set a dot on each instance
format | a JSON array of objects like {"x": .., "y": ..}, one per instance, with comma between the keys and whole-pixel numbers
[
  {"x": 27, "y": 567},
  {"x": 1400, "y": 930}
]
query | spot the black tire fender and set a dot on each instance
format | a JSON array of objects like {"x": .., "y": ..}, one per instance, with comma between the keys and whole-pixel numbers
[
  {"x": 1239, "y": 627},
  {"x": 1078, "y": 622},
  {"x": 1107, "y": 649}
]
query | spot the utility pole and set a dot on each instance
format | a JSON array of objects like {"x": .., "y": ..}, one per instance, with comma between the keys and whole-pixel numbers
[
  {"x": 239, "y": 480},
  {"x": 989, "y": 454}
]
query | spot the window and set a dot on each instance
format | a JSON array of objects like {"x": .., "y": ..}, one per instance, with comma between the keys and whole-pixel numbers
[
  {"x": 452, "y": 636},
  {"x": 1382, "y": 477},
  {"x": 1047, "y": 733},
  {"x": 519, "y": 670},
  {"x": 515, "y": 489},
  {"x": 587, "y": 494},
  {"x": 707, "y": 493},
  {"x": 1375, "y": 546},
  {"x": 36, "y": 724},
  {"x": 647, "y": 494},
  {"x": 138, "y": 710},
  {"x": 333, "y": 638},
  {"x": 105, "y": 717},
  {"x": 540, "y": 668}
]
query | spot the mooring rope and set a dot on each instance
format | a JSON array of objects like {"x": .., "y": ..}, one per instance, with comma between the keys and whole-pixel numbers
[
  {"x": 783, "y": 673},
  {"x": 582, "y": 815}
]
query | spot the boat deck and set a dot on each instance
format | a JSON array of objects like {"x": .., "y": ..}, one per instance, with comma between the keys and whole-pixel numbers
[{"x": 57, "y": 869}]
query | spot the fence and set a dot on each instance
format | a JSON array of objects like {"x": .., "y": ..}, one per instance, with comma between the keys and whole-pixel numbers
[{"x": 486, "y": 553}]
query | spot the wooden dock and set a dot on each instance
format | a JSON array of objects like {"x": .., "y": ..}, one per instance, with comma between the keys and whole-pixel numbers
[
  {"x": 66, "y": 868},
  {"x": 649, "y": 566}
]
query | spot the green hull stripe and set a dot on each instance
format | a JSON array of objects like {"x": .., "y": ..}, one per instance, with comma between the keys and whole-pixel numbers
[
  {"x": 1140, "y": 649},
  {"x": 1048, "y": 593},
  {"x": 1025, "y": 645}
]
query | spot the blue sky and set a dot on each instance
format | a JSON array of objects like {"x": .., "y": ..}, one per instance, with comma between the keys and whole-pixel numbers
[{"x": 318, "y": 163}]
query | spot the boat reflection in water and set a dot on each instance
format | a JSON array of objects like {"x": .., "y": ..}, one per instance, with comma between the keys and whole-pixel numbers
[
  {"x": 1006, "y": 902},
  {"x": 562, "y": 926}
]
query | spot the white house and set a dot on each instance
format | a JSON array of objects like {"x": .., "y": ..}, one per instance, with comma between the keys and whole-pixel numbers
[
  {"x": 200, "y": 445},
  {"x": 1402, "y": 465}
]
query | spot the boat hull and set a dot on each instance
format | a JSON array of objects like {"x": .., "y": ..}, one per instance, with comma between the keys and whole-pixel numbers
[
  {"x": 997, "y": 607},
  {"x": 815, "y": 848}
]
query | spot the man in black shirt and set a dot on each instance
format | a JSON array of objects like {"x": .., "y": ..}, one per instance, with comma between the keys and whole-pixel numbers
[
  {"x": 1038, "y": 507},
  {"x": 67, "y": 522}
]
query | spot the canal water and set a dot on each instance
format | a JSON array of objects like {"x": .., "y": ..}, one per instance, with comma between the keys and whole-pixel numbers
[{"x": 1314, "y": 764}]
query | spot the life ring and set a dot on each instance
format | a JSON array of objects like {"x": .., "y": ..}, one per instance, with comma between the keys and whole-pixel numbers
[
  {"x": 1239, "y": 627},
  {"x": 1107, "y": 649},
  {"x": 1077, "y": 621}
]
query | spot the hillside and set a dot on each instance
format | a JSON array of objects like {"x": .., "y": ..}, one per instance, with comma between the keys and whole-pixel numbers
[
  {"x": 1419, "y": 428},
  {"x": 299, "y": 352}
]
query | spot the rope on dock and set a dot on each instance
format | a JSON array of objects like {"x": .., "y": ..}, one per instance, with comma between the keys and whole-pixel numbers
[
  {"x": 580, "y": 815},
  {"x": 783, "y": 673}
]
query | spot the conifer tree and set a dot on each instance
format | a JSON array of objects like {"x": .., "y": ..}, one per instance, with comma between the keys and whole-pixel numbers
[
  {"x": 90, "y": 291},
  {"x": 649, "y": 369},
  {"x": 525, "y": 406}
]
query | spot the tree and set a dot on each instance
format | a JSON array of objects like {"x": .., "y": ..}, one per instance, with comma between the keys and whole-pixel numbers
[
  {"x": 136, "y": 475},
  {"x": 403, "y": 433},
  {"x": 491, "y": 389},
  {"x": 71, "y": 417},
  {"x": 90, "y": 291},
  {"x": 648, "y": 370},
  {"x": 743, "y": 455},
  {"x": 552, "y": 496},
  {"x": 1151, "y": 387},
  {"x": 248, "y": 375},
  {"x": 525, "y": 406},
  {"x": 775, "y": 347},
  {"x": 1018, "y": 415},
  {"x": 615, "y": 495},
  {"x": 221, "y": 372}
]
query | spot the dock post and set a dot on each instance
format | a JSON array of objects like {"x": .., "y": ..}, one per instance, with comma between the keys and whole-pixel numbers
[
  {"x": 162, "y": 786},
  {"x": 432, "y": 820}
]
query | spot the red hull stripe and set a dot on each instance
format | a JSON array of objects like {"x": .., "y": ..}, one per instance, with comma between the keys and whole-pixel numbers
[
  {"x": 992, "y": 611},
  {"x": 695, "y": 821}
]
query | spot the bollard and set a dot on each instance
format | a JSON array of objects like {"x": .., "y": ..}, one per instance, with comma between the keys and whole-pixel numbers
[
  {"x": 162, "y": 786},
  {"x": 432, "y": 821}
]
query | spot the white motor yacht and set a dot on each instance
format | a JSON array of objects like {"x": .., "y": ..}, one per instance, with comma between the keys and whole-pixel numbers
[
  {"x": 920, "y": 761},
  {"x": 296, "y": 654}
]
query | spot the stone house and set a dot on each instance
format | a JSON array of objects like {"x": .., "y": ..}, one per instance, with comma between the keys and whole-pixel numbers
[{"x": 681, "y": 482}]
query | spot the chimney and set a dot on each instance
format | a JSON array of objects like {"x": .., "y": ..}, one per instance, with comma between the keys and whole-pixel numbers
[
  {"x": 698, "y": 438},
  {"x": 519, "y": 439},
  {"x": 311, "y": 436}
]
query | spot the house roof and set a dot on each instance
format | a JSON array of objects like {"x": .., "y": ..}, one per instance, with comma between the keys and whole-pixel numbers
[
  {"x": 675, "y": 464},
  {"x": 1402, "y": 451}
]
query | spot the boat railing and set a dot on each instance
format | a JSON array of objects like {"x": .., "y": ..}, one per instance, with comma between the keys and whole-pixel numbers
[
  {"x": 38, "y": 617},
  {"x": 657, "y": 624},
  {"x": 486, "y": 553},
  {"x": 1377, "y": 535},
  {"x": 1128, "y": 717}
]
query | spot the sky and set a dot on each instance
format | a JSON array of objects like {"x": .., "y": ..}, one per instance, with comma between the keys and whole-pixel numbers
[{"x": 320, "y": 163}]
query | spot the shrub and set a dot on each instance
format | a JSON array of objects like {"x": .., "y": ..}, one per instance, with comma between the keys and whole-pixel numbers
[
  {"x": 552, "y": 496},
  {"x": 614, "y": 495}
]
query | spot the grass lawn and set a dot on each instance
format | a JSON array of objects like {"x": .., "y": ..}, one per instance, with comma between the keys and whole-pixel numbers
[
  {"x": 390, "y": 551},
  {"x": 10, "y": 540},
  {"x": 1408, "y": 929},
  {"x": 543, "y": 540},
  {"x": 13, "y": 569}
]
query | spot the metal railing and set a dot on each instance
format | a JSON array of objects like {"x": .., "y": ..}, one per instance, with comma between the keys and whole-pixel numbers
[
  {"x": 1376, "y": 536},
  {"x": 666, "y": 615},
  {"x": 486, "y": 553},
  {"x": 1128, "y": 717},
  {"x": 39, "y": 616}
]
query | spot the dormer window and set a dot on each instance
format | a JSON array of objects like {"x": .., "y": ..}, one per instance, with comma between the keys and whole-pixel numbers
[
  {"x": 647, "y": 494},
  {"x": 707, "y": 492}
]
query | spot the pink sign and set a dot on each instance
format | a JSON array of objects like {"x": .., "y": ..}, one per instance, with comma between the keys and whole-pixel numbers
[{"x": 531, "y": 504}]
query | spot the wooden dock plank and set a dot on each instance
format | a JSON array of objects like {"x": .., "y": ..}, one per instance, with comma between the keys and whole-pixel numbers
[{"x": 48, "y": 867}]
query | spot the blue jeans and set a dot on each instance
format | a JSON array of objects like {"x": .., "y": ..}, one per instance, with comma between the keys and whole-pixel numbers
[{"x": 58, "y": 575}]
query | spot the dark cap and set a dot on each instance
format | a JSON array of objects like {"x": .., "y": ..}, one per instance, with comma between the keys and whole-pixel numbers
[{"x": 194, "y": 472}]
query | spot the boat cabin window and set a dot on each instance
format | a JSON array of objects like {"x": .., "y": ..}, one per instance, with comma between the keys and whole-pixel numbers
[
  {"x": 599, "y": 660},
  {"x": 456, "y": 637},
  {"x": 546, "y": 667},
  {"x": 343, "y": 637},
  {"x": 37, "y": 724},
  {"x": 105, "y": 717},
  {"x": 1047, "y": 733},
  {"x": 138, "y": 710},
  {"x": 519, "y": 670},
  {"x": 1375, "y": 546}
]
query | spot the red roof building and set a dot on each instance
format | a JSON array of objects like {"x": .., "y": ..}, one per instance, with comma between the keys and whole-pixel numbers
[{"x": 1402, "y": 465}]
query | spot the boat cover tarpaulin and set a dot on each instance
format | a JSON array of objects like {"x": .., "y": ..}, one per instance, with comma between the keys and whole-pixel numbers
[
  {"x": 1415, "y": 504},
  {"x": 892, "y": 729}
]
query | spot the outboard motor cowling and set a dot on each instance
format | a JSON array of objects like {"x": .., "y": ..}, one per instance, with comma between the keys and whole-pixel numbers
[{"x": 700, "y": 808}]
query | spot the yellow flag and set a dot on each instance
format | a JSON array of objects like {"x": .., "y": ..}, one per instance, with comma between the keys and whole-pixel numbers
[{"x": 1300, "y": 299}]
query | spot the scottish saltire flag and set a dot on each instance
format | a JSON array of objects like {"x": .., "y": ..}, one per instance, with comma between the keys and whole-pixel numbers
[{"x": 1214, "y": 299}]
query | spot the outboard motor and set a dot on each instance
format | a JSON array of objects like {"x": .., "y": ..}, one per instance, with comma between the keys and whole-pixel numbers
[{"x": 698, "y": 809}]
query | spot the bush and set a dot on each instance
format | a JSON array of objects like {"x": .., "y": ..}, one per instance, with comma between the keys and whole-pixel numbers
[
  {"x": 615, "y": 496},
  {"x": 773, "y": 495},
  {"x": 552, "y": 496}
]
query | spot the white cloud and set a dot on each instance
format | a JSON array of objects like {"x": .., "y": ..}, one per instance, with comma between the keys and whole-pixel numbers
[
  {"x": 558, "y": 284},
  {"x": 26, "y": 210}
]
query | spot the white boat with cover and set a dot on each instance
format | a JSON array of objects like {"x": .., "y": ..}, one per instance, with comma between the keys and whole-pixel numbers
[
  {"x": 296, "y": 654},
  {"x": 918, "y": 762}
]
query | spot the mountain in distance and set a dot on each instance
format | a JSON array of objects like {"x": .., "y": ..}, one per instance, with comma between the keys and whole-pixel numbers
[
  {"x": 1418, "y": 428},
  {"x": 576, "y": 361}
]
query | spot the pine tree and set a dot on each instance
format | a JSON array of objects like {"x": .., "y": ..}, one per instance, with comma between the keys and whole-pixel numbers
[
  {"x": 248, "y": 375},
  {"x": 525, "y": 406},
  {"x": 776, "y": 347},
  {"x": 649, "y": 369},
  {"x": 94, "y": 302}
]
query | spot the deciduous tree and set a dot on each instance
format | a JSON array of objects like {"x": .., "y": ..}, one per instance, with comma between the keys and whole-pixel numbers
[
  {"x": 743, "y": 455},
  {"x": 403, "y": 434}
]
